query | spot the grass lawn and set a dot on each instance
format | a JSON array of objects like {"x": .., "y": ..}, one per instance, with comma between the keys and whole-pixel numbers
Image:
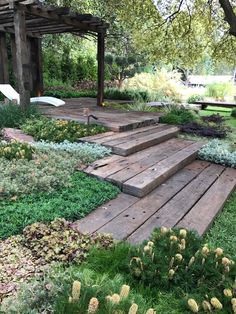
[{"x": 72, "y": 203}]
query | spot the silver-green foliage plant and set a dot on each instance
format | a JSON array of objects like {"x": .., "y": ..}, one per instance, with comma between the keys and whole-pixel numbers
[
  {"x": 218, "y": 152},
  {"x": 85, "y": 152}
]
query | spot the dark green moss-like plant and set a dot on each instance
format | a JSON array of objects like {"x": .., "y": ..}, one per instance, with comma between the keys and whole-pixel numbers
[{"x": 177, "y": 115}]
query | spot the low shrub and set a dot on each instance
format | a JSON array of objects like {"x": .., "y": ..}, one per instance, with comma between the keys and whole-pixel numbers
[
  {"x": 196, "y": 97},
  {"x": 214, "y": 118},
  {"x": 85, "y": 152},
  {"x": 207, "y": 130},
  {"x": 81, "y": 196},
  {"x": 74, "y": 291},
  {"x": 70, "y": 93},
  {"x": 233, "y": 113},
  {"x": 140, "y": 106},
  {"x": 179, "y": 259},
  {"x": 16, "y": 150},
  {"x": 46, "y": 172},
  {"x": 59, "y": 130},
  {"x": 218, "y": 152},
  {"x": 12, "y": 115},
  {"x": 177, "y": 115}
]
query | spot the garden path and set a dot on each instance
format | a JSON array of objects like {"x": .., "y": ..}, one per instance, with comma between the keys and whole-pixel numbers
[{"x": 162, "y": 184}]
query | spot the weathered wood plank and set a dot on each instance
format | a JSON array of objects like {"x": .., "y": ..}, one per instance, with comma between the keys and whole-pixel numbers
[
  {"x": 172, "y": 212},
  {"x": 203, "y": 213},
  {"x": 133, "y": 217},
  {"x": 105, "y": 213},
  {"x": 136, "y": 145},
  {"x": 162, "y": 151},
  {"x": 4, "y": 75},
  {"x": 149, "y": 179}
]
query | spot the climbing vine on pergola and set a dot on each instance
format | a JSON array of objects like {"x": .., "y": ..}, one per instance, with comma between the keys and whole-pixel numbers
[{"x": 27, "y": 21}]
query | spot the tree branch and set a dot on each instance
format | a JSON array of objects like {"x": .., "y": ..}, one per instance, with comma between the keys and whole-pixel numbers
[{"x": 230, "y": 16}]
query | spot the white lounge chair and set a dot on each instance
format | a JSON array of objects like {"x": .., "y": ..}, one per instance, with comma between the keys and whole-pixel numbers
[{"x": 9, "y": 92}]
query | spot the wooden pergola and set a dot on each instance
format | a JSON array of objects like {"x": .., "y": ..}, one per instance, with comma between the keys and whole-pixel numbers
[{"x": 27, "y": 21}]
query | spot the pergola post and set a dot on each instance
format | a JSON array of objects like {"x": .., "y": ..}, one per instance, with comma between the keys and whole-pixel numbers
[
  {"x": 4, "y": 76},
  {"x": 14, "y": 62},
  {"x": 22, "y": 58},
  {"x": 37, "y": 65},
  {"x": 101, "y": 65}
]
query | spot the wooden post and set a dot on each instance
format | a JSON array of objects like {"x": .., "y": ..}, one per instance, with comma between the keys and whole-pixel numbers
[
  {"x": 22, "y": 58},
  {"x": 4, "y": 74},
  {"x": 14, "y": 63},
  {"x": 37, "y": 66},
  {"x": 101, "y": 65}
]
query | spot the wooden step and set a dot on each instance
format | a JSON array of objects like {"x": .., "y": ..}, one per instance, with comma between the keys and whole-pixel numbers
[
  {"x": 146, "y": 181},
  {"x": 125, "y": 144}
]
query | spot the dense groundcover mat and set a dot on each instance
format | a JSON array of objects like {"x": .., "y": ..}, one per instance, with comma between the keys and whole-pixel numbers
[
  {"x": 73, "y": 202},
  {"x": 174, "y": 272}
]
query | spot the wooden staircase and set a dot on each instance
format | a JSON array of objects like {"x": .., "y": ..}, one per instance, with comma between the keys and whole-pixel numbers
[{"x": 162, "y": 184}]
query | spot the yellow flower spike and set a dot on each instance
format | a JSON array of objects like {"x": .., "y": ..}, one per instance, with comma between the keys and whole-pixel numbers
[
  {"x": 191, "y": 261},
  {"x": 109, "y": 298},
  {"x": 115, "y": 298},
  {"x": 205, "y": 251},
  {"x": 178, "y": 257},
  {"x": 171, "y": 273},
  {"x": 147, "y": 249},
  {"x": 70, "y": 300},
  {"x": 193, "y": 305},
  {"x": 228, "y": 293},
  {"x": 183, "y": 233},
  {"x": 233, "y": 301},
  {"x": 133, "y": 309},
  {"x": 93, "y": 306},
  {"x": 76, "y": 290},
  {"x": 124, "y": 292},
  {"x": 216, "y": 304},
  {"x": 219, "y": 252},
  {"x": 173, "y": 238},
  {"x": 150, "y": 243},
  {"x": 206, "y": 306},
  {"x": 164, "y": 230},
  {"x": 226, "y": 261},
  {"x": 150, "y": 311}
]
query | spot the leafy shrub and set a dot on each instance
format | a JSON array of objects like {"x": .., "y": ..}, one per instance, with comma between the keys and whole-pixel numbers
[
  {"x": 218, "y": 152},
  {"x": 163, "y": 83},
  {"x": 71, "y": 290},
  {"x": 12, "y": 115},
  {"x": 214, "y": 118},
  {"x": 177, "y": 258},
  {"x": 140, "y": 106},
  {"x": 59, "y": 130},
  {"x": 16, "y": 150},
  {"x": 85, "y": 152},
  {"x": 219, "y": 90},
  {"x": 191, "y": 99},
  {"x": 201, "y": 129},
  {"x": 81, "y": 195},
  {"x": 70, "y": 94},
  {"x": 233, "y": 113},
  {"x": 177, "y": 115}
]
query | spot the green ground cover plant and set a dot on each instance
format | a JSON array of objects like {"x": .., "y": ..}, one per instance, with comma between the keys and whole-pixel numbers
[
  {"x": 233, "y": 113},
  {"x": 219, "y": 152},
  {"x": 59, "y": 130},
  {"x": 81, "y": 196},
  {"x": 220, "y": 90},
  {"x": 12, "y": 115},
  {"x": 195, "y": 97},
  {"x": 16, "y": 150}
]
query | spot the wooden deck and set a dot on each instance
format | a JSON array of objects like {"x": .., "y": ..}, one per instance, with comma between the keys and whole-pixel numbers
[
  {"x": 162, "y": 184},
  {"x": 115, "y": 119},
  {"x": 191, "y": 198}
]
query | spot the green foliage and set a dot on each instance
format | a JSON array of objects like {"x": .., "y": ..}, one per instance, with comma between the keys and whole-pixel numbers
[
  {"x": 70, "y": 94},
  {"x": 218, "y": 152},
  {"x": 126, "y": 94},
  {"x": 59, "y": 130},
  {"x": 177, "y": 115},
  {"x": 140, "y": 106},
  {"x": 220, "y": 90},
  {"x": 81, "y": 196},
  {"x": 165, "y": 84},
  {"x": 12, "y": 115},
  {"x": 16, "y": 150},
  {"x": 196, "y": 97},
  {"x": 57, "y": 241},
  {"x": 233, "y": 113}
]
